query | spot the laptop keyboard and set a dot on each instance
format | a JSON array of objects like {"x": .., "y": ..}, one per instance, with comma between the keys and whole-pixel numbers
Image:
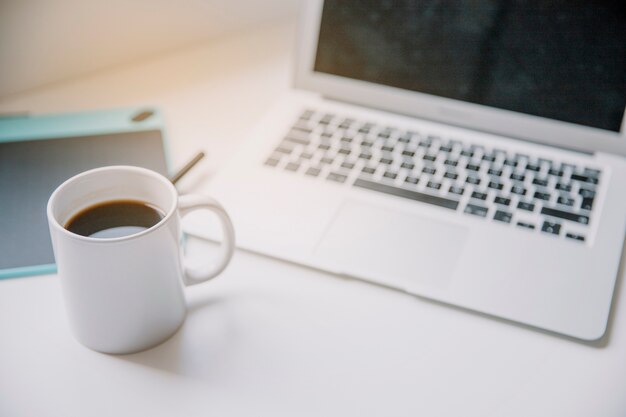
[{"x": 510, "y": 188}]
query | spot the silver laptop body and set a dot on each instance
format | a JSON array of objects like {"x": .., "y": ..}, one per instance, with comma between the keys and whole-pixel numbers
[{"x": 459, "y": 194}]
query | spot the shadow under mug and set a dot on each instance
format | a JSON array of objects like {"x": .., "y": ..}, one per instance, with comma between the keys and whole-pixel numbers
[{"x": 125, "y": 294}]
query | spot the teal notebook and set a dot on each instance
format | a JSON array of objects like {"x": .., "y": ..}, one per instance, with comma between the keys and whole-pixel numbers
[{"x": 37, "y": 153}]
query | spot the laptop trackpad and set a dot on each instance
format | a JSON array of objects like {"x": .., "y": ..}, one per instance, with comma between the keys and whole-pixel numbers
[{"x": 393, "y": 247}]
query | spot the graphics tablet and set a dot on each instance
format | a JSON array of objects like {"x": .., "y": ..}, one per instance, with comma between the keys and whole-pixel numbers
[{"x": 37, "y": 153}]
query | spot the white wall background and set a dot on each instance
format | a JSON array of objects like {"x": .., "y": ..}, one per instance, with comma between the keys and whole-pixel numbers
[{"x": 44, "y": 41}]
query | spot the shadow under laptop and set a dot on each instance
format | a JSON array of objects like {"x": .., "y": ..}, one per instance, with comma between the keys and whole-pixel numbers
[
  {"x": 212, "y": 331},
  {"x": 599, "y": 343}
]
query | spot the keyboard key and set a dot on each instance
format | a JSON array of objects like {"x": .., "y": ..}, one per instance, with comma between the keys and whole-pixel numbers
[
  {"x": 333, "y": 176},
  {"x": 292, "y": 166},
  {"x": 286, "y": 144},
  {"x": 541, "y": 182},
  {"x": 307, "y": 114},
  {"x": 517, "y": 177},
  {"x": 582, "y": 178},
  {"x": 476, "y": 210},
  {"x": 587, "y": 203},
  {"x": 455, "y": 143},
  {"x": 323, "y": 146},
  {"x": 525, "y": 225},
  {"x": 344, "y": 151},
  {"x": 366, "y": 156},
  {"x": 493, "y": 171},
  {"x": 405, "y": 138},
  {"x": 272, "y": 162},
  {"x": 387, "y": 148},
  {"x": 326, "y": 119},
  {"x": 592, "y": 172},
  {"x": 306, "y": 155},
  {"x": 472, "y": 167},
  {"x": 368, "y": 170},
  {"x": 407, "y": 165},
  {"x": 532, "y": 167},
  {"x": 298, "y": 140},
  {"x": 563, "y": 187},
  {"x": 566, "y": 201},
  {"x": 467, "y": 152},
  {"x": 347, "y": 165},
  {"x": 431, "y": 158},
  {"x": 573, "y": 236},
  {"x": 411, "y": 180},
  {"x": 518, "y": 189},
  {"x": 495, "y": 185},
  {"x": 434, "y": 185},
  {"x": 555, "y": 172},
  {"x": 408, "y": 153},
  {"x": 479, "y": 196},
  {"x": 346, "y": 123},
  {"x": 413, "y": 195},
  {"x": 503, "y": 216},
  {"x": 429, "y": 170},
  {"x": 283, "y": 150},
  {"x": 551, "y": 228},
  {"x": 472, "y": 180},
  {"x": 456, "y": 190},
  {"x": 313, "y": 172},
  {"x": 523, "y": 205},
  {"x": 451, "y": 162},
  {"x": 488, "y": 158},
  {"x": 502, "y": 200},
  {"x": 327, "y": 160},
  {"x": 299, "y": 129},
  {"x": 390, "y": 175},
  {"x": 562, "y": 214},
  {"x": 510, "y": 162},
  {"x": 386, "y": 161},
  {"x": 445, "y": 148},
  {"x": 541, "y": 196},
  {"x": 451, "y": 175},
  {"x": 586, "y": 193}
]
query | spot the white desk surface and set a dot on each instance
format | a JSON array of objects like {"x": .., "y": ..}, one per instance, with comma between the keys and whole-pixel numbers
[{"x": 271, "y": 338}]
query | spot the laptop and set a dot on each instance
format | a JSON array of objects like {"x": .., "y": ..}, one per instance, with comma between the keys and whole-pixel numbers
[{"x": 470, "y": 153}]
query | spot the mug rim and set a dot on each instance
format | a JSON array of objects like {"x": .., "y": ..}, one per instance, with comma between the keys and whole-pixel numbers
[{"x": 145, "y": 171}]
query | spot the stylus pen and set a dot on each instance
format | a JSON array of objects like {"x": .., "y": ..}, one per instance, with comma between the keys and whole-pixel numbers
[{"x": 174, "y": 178}]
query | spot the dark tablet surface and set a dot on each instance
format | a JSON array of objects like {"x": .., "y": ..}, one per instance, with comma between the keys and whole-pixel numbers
[{"x": 31, "y": 169}]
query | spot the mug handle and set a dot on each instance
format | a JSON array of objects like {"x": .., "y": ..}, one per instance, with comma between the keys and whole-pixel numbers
[{"x": 195, "y": 274}]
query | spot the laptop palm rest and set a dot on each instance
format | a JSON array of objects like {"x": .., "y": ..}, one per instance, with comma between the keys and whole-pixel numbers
[{"x": 409, "y": 250}]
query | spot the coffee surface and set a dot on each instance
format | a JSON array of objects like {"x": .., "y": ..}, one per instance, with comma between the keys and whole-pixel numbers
[{"x": 115, "y": 218}]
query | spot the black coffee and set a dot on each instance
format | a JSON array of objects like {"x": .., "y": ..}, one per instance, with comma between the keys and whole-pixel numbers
[{"x": 114, "y": 218}]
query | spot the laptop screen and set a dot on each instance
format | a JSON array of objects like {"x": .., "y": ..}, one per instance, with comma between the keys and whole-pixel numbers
[{"x": 563, "y": 60}]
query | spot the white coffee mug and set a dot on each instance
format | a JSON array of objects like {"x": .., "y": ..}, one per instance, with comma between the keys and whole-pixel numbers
[{"x": 125, "y": 294}]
